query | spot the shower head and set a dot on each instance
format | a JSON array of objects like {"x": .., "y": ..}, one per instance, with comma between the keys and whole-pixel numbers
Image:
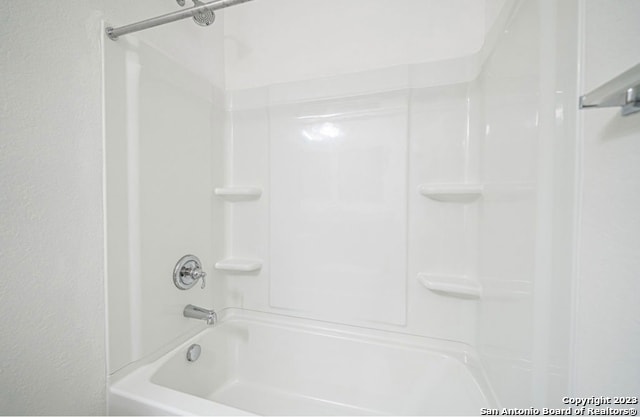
[{"x": 204, "y": 17}]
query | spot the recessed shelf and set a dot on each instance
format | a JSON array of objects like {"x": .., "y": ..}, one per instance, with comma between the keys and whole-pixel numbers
[
  {"x": 238, "y": 193},
  {"x": 239, "y": 265},
  {"x": 458, "y": 285},
  {"x": 622, "y": 91},
  {"x": 452, "y": 193}
]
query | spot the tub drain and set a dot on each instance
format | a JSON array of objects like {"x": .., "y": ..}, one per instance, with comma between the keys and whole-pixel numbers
[{"x": 193, "y": 353}]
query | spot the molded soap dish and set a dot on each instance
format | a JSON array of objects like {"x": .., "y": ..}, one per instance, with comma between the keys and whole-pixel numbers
[
  {"x": 459, "y": 285},
  {"x": 239, "y": 265},
  {"x": 238, "y": 193},
  {"x": 452, "y": 193}
]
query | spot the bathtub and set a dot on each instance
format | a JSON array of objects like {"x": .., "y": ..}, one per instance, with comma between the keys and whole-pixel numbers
[{"x": 264, "y": 364}]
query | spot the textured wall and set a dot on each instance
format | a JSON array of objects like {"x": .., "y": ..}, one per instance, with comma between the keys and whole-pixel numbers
[
  {"x": 608, "y": 329},
  {"x": 52, "y": 349}
]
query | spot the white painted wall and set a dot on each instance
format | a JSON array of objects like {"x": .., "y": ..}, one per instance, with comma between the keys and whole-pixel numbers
[
  {"x": 279, "y": 41},
  {"x": 52, "y": 349},
  {"x": 607, "y": 339}
]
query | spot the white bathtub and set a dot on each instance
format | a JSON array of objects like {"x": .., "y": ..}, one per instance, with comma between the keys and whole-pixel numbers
[{"x": 273, "y": 365}]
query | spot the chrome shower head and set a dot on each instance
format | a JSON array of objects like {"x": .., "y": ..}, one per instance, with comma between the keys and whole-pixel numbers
[{"x": 204, "y": 17}]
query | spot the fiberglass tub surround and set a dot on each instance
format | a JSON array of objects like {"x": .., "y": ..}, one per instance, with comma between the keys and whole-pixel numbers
[{"x": 372, "y": 240}]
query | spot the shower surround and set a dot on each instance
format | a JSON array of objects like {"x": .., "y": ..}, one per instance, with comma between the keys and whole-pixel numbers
[{"x": 422, "y": 203}]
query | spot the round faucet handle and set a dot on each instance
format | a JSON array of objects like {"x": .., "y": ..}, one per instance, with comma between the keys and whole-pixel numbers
[{"x": 187, "y": 272}]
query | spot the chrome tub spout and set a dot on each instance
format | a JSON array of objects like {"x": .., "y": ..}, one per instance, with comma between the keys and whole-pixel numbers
[{"x": 194, "y": 312}]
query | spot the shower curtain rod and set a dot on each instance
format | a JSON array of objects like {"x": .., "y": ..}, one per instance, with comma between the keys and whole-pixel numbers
[{"x": 114, "y": 33}]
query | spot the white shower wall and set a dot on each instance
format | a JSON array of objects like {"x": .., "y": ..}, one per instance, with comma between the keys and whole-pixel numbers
[
  {"x": 337, "y": 194},
  {"x": 483, "y": 118},
  {"x": 527, "y": 164},
  {"x": 280, "y": 41},
  {"x": 349, "y": 152},
  {"x": 341, "y": 228},
  {"x": 158, "y": 169},
  {"x": 164, "y": 122}
]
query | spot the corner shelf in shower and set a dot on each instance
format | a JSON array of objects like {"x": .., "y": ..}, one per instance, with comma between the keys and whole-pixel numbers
[
  {"x": 452, "y": 193},
  {"x": 458, "y": 285},
  {"x": 239, "y": 265},
  {"x": 238, "y": 193}
]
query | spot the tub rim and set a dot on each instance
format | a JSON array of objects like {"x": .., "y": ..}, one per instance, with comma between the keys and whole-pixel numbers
[{"x": 125, "y": 382}]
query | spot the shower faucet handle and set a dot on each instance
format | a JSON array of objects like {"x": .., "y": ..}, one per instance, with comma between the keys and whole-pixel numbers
[
  {"x": 187, "y": 272},
  {"x": 199, "y": 274}
]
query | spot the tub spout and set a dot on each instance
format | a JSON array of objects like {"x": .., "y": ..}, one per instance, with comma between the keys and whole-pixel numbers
[{"x": 200, "y": 313}]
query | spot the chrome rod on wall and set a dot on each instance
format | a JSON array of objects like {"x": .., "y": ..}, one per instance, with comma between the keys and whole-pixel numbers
[
  {"x": 198, "y": 8},
  {"x": 622, "y": 91}
]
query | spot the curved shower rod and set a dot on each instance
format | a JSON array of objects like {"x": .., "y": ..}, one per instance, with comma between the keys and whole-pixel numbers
[{"x": 198, "y": 8}]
